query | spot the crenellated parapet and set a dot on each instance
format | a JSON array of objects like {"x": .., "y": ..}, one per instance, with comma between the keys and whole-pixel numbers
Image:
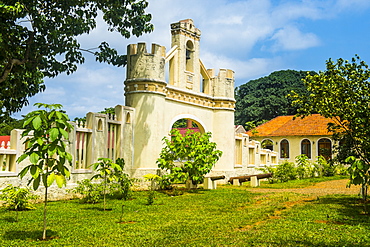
[
  {"x": 221, "y": 85},
  {"x": 142, "y": 65}
]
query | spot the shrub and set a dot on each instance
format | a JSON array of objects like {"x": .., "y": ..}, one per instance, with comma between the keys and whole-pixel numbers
[
  {"x": 269, "y": 169},
  {"x": 91, "y": 192},
  {"x": 120, "y": 187},
  {"x": 326, "y": 168},
  {"x": 17, "y": 198},
  {"x": 285, "y": 171},
  {"x": 304, "y": 167}
]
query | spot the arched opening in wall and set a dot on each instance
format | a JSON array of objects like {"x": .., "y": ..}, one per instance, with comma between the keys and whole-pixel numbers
[
  {"x": 100, "y": 125},
  {"x": 189, "y": 56},
  {"x": 284, "y": 149},
  {"x": 268, "y": 144},
  {"x": 185, "y": 124},
  {"x": 325, "y": 148},
  {"x": 306, "y": 148},
  {"x": 128, "y": 118}
]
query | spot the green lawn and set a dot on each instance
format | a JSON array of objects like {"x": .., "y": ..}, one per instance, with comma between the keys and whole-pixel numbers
[{"x": 228, "y": 216}]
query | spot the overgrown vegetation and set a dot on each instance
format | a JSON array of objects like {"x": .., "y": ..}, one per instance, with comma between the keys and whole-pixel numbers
[
  {"x": 304, "y": 168},
  {"x": 39, "y": 39},
  {"x": 228, "y": 216}
]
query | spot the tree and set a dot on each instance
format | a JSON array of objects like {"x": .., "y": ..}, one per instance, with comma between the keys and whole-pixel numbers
[
  {"x": 342, "y": 93},
  {"x": 107, "y": 170},
  {"x": 46, "y": 149},
  {"x": 9, "y": 124},
  {"x": 188, "y": 157},
  {"x": 265, "y": 98},
  {"x": 39, "y": 39}
]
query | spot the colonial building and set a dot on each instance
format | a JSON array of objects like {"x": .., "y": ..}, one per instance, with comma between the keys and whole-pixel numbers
[{"x": 291, "y": 136}]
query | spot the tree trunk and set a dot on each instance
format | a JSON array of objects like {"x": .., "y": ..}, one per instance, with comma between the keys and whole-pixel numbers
[{"x": 45, "y": 204}]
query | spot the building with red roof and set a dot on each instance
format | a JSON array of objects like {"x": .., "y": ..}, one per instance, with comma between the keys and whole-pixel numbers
[{"x": 291, "y": 136}]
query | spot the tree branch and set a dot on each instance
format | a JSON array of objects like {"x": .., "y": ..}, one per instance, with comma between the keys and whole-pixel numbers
[{"x": 14, "y": 61}]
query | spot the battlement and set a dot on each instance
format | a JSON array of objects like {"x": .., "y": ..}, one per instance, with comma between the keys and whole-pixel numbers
[
  {"x": 142, "y": 65},
  {"x": 222, "y": 74},
  {"x": 223, "y": 83},
  {"x": 140, "y": 49}
]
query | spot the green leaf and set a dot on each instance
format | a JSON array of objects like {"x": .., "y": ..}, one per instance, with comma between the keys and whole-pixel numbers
[
  {"x": 64, "y": 133},
  {"x": 36, "y": 183},
  {"x": 24, "y": 171},
  {"x": 22, "y": 157},
  {"x": 34, "y": 158},
  {"x": 54, "y": 134},
  {"x": 50, "y": 179},
  {"x": 35, "y": 171},
  {"x": 61, "y": 180},
  {"x": 36, "y": 122}
]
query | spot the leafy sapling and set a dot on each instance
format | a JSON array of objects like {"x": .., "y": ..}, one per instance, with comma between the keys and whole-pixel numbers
[
  {"x": 107, "y": 171},
  {"x": 46, "y": 131}
]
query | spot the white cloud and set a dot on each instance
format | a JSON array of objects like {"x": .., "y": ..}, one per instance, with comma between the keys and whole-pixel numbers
[
  {"x": 291, "y": 38},
  {"x": 244, "y": 69}
]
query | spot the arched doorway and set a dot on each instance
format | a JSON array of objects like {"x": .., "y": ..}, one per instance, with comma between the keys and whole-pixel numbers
[{"x": 185, "y": 124}]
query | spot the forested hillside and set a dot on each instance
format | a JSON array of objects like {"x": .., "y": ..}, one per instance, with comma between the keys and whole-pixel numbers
[{"x": 265, "y": 98}]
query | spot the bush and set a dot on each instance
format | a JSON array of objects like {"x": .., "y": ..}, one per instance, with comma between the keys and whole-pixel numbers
[
  {"x": 326, "y": 169},
  {"x": 120, "y": 188},
  {"x": 285, "y": 171},
  {"x": 91, "y": 192},
  {"x": 17, "y": 198},
  {"x": 304, "y": 167}
]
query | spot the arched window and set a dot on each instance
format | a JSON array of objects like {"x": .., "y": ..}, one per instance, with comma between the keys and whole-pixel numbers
[
  {"x": 268, "y": 144},
  {"x": 284, "y": 149},
  {"x": 189, "y": 56},
  {"x": 306, "y": 148},
  {"x": 324, "y": 146},
  {"x": 128, "y": 117},
  {"x": 100, "y": 125}
]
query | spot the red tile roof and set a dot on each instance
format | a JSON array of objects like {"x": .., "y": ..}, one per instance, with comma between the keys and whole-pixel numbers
[{"x": 313, "y": 125}]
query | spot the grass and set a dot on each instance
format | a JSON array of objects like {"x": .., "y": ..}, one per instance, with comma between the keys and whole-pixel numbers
[
  {"x": 228, "y": 216},
  {"x": 298, "y": 183}
]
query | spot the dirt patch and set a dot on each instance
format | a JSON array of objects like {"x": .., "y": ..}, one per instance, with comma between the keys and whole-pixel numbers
[
  {"x": 319, "y": 189},
  {"x": 313, "y": 192}
]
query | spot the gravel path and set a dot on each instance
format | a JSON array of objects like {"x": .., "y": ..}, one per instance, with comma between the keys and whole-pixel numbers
[{"x": 319, "y": 189}]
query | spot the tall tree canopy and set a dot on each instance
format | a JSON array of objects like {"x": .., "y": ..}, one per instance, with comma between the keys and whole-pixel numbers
[
  {"x": 39, "y": 39},
  {"x": 265, "y": 98},
  {"x": 342, "y": 93}
]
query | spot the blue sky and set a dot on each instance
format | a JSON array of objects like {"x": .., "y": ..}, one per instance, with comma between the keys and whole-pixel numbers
[{"x": 251, "y": 37}]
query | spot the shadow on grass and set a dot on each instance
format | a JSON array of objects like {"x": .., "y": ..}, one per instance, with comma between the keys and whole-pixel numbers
[
  {"x": 10, "y": 219},
  {"x": 99, "y": 209},
  {"x": 32, "y": 235},
  {"x": 352, "y": 209}
]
